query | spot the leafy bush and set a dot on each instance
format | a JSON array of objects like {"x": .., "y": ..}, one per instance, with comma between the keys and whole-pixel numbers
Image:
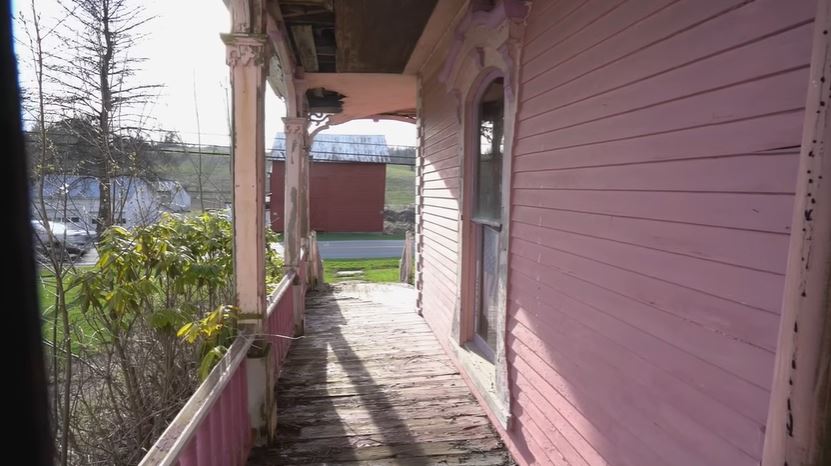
[{"x": 159, "y": 303}]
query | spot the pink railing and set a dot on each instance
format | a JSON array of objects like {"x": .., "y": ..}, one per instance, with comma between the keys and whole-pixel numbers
[
  {"x": 213, "y": 428},
  {"x": 279, "y": 325}
]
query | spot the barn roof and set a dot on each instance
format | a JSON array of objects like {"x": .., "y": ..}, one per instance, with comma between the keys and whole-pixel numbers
[{"x": 340, "y": 148}]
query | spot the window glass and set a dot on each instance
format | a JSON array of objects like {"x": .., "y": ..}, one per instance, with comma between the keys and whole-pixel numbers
[{"x": 489, "y": 161}]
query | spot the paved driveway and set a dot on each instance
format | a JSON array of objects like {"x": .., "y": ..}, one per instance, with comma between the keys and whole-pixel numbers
[{"x": 358, "y": 249}]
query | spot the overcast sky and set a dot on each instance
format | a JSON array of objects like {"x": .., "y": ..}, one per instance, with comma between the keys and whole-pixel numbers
[{"x": 184, "y": 53}]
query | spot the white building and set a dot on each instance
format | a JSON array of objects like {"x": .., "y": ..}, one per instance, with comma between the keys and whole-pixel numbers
[{"x": 74, "y": 199}]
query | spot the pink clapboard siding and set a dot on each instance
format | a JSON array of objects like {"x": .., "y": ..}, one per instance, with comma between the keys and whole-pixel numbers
[
  {"x": 438, "y": 197},
  {"x": 651, "y": 197}
]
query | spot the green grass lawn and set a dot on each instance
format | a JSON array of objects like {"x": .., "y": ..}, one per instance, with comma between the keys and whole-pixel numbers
[
  {"x": 335, "y": 236},
  {"x": 375, "y": 270},
  {"x": 46, "y": 290},
  {"x": 400, "y": 186}
]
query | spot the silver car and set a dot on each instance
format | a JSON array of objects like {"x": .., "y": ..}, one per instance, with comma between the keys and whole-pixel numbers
[{"x": 73, "y": 239}]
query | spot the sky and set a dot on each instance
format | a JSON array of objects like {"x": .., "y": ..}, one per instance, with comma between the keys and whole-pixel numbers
[{"x": 185, "y": 55}]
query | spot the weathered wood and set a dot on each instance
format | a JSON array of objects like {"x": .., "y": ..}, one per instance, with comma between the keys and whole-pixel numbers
[
  {"x": 324, "y": 451},
  {"x": 294, "y": 214},
  {"x": 368, "y": 385},
  {"x": 470, "y": 459},
  {"x": 305, "y": 41},
  {"x": 247, "y": 55},
  {"x": 405, "y": 265},
  {"x": 798, "y": 430}
]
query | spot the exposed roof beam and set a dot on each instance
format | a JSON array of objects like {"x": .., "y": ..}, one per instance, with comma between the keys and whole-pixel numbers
[
  {"x": 304, "y": 40},
  {"x": 443, "y": 16}
]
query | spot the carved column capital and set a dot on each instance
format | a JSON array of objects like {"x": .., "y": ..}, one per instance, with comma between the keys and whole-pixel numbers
[
  {"x": 246, "y": 49},
  {"x": 294, "y": 125}
]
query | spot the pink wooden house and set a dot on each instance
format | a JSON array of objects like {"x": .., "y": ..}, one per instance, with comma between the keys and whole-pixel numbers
[{"x": 622, "y": 226}]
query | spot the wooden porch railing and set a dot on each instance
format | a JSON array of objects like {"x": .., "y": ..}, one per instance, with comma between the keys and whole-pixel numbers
[
  {"x": 279, "y": 323},
  {"x": 214, "y": 428}
]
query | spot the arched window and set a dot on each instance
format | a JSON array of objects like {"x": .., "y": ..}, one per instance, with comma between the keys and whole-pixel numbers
[{"x": 487, "y": 213}]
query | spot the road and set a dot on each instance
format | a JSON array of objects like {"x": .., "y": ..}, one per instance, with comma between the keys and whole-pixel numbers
[
  {"x": 88, "y": 258},
  {"x": 358, "y": 249}
]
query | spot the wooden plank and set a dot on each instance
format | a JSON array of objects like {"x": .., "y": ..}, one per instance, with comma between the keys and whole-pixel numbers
[
  {"x": 451, "y": 153},
  {"x": 442, "y": 234},
  {"x": 555, "y": 444},
  {"x": 444, "y": 183},
  {"x": 441, "y": 193},
  {"x": 324, "y": 450},
  {"x": 703, "y": 27},
  {"x": 451, "y": 204},
  {"x": 368, "y": 384},
  {"x": 799, "y": 426},
  {"x": 749, "y": 362},
  {"x": 445, "y": 295},
  {"x": 760, "y": 212},
  {"x": 568, "y": 17},
  {"x": 759, "y": 135},
  {"x": 444, "y": 267},
  {"x": 450, "y": 246},
  {"x": 742, "y": 101},
  {"x": 438, "y": 139},
  {"x": 433, "y": 164},
  {"x": 446, "y": 173},
  {"x": 757, "y": 250},
  {"x": 761, "y": 290},
  {"x": 743, "y": 173},
  {"x": 647, "y": 79},
  {"x": 696, "y": 364},
  {"x": 554, "y": 423},
  {"x": 304, "y": 42},
  {"x": 681, "y": 410},
  {"x": 601, "y": 430},
  {"x": 735, "y": 320},
  {"x": 470, "y": 459},
  {"x": 444, "y": 222},
  {"x": 618, "y": 405},
  {"x": 448, "y": 213},
  {"x": 604, "y": 36}
]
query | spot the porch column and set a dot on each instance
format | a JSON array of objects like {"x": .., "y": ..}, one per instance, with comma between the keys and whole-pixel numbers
[
  {"x": 247, "y": 56},
  {"x": 305, "y": 214},
  {"x": 798, "y": 430},
  {"x": 296, "y": 153}
]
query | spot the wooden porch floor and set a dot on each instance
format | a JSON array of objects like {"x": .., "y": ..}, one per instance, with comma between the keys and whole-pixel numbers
[{"x": 369, "y": 384}]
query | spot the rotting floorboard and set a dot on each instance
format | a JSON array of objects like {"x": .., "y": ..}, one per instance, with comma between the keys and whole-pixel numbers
[{"x": 370, "y": 385}]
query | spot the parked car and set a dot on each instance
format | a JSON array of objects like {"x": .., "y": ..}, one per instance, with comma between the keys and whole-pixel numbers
[{"x": 71, "y": 238}]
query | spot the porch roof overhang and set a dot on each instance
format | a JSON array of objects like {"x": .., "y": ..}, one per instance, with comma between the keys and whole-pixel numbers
[
  {"x": 354, "y": 59},
  {"x": 367, "y": 95}
]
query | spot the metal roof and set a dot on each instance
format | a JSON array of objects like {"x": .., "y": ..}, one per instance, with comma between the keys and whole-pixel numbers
[{"x": 341, "y": 148}]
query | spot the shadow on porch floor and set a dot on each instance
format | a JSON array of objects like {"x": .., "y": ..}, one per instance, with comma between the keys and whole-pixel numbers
[{"x": 369, "y": 384}]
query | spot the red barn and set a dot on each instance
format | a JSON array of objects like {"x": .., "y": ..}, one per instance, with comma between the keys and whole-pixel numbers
[{"x": 347, "y": 180}]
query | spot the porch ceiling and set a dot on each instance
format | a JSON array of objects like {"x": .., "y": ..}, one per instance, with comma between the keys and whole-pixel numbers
[
  {"x": 354, "y": 36},
  {"x": 355, "y": 53}
]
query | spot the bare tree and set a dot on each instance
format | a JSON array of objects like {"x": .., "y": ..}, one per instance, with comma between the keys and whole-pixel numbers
[
  {"x": 198, "y": 147},
  {"x": 54, "y": 255},
  {"x": 99, "y": 77}
]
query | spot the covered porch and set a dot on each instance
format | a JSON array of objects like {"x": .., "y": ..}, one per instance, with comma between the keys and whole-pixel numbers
[
  {"x": 353, "y": 375},
  {"x": 320, "y": 374},
  {"x": 369, "y": 384}
]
